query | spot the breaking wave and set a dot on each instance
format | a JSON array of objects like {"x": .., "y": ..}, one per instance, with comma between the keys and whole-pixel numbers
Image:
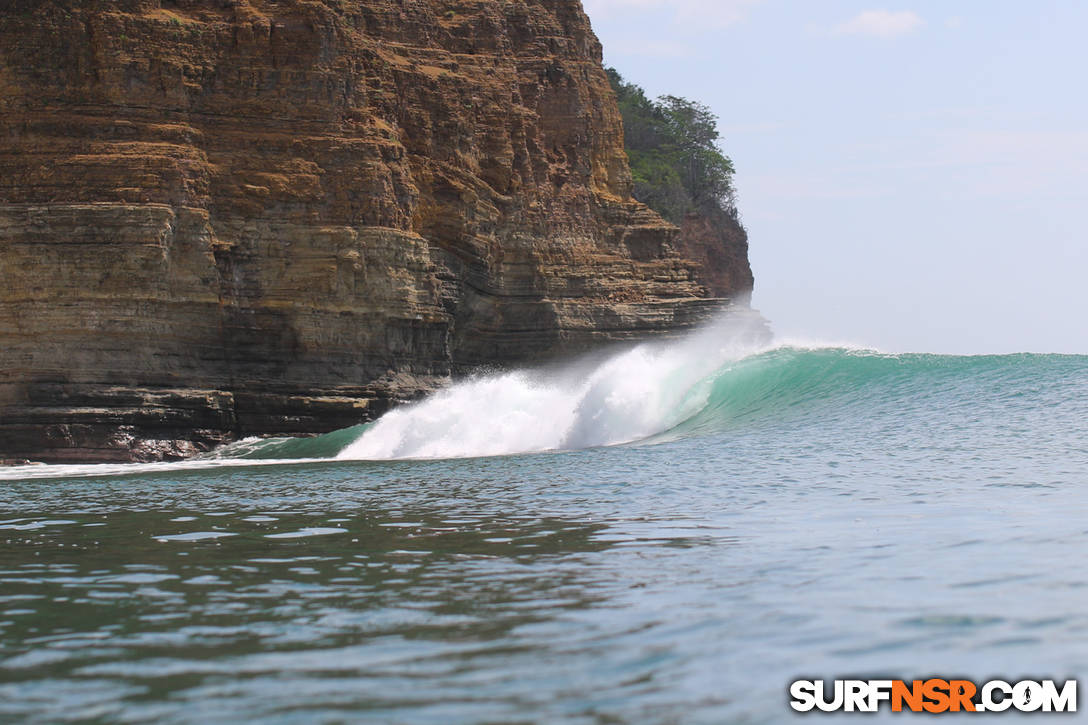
[{"x": 724, "y": 376}]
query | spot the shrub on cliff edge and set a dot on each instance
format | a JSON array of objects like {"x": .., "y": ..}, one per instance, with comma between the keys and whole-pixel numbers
[{"x": 672, "y": 147}]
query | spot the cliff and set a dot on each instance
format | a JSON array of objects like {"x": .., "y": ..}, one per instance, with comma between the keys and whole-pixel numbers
[{"x": 222, "y": 218}]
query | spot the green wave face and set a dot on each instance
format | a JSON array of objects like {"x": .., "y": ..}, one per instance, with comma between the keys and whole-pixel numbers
[
  {"x": 833, "y": 385},
  {"x": 267, "y": 449}
]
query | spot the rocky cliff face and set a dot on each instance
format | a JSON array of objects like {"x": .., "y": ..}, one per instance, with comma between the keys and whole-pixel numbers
[{"x": 222, "y": 218}]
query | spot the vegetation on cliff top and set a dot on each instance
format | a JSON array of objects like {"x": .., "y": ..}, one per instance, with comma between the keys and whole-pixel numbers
[{"x": 672, "y": 147}]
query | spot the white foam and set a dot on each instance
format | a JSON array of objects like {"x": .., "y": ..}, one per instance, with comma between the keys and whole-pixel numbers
[
  {"x": 628, "y": 396},
  {"x": 93, "y": 470},
  {"x": 194, "y": 536},
  {"x": 311, "y": 531}
]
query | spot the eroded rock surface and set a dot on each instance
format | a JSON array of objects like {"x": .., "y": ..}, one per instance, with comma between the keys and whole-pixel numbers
[{"x": 222, "y": 218}]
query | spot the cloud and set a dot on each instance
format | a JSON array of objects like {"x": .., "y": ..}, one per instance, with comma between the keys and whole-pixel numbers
[
  {"x": 881, "y": 23},
  {"x": 717, "y": 14}
]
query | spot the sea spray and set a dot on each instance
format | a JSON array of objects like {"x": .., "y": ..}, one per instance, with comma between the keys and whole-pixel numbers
[{"x": 627, "y": 396}]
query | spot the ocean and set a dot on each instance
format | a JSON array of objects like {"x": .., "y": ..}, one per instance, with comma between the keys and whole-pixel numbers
[{"x": 671, "y": 532}]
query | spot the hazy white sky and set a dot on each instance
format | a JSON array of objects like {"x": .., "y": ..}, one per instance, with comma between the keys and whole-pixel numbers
[{"x": 912, "y": 176}]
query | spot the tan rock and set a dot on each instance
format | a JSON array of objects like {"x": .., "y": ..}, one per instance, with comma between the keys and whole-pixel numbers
[{"x": 222, "y": 218}]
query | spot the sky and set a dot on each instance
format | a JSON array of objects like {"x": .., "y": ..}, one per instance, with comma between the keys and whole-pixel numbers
[{"x": 913, "y": 177}]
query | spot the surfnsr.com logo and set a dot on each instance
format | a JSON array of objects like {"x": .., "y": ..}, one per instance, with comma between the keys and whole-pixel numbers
[{"x": 933, "y": 696}]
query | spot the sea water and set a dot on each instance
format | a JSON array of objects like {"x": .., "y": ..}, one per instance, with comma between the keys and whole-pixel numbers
[{"x": 671, "y": 533}]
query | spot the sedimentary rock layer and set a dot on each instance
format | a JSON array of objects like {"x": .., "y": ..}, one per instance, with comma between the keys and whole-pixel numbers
[{"x": 222, "y": 218}]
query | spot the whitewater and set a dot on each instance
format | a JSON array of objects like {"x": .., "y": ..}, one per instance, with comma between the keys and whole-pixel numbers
[
  {"x": 626, "y": 397},
  {"x": 670, "y": 531}
]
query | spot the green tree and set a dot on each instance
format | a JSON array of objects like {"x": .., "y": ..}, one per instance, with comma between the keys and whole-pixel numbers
[{"x": 672, "y": 148}]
